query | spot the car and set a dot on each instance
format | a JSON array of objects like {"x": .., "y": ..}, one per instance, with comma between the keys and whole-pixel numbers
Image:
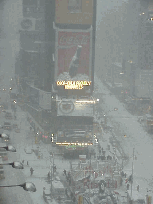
[
  {"x": 47, "y": 195},
  {"x": 7, "y": 126},
  {"x": 8, "y": 116},
  {"x": 15, "y": 126},
  {"x": 17, "y": 130},
  {"x": 3, "y": 110},
  {"x": 1, "y": 169},
  {"x": 4, "y": 139},
  {"x": 28, "y": 150}
]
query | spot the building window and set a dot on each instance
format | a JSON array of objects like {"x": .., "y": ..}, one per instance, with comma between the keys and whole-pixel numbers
[{"x": 75, "y": 6}]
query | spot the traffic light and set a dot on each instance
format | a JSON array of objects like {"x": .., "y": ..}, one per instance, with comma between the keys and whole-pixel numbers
[{"x": 52, "y": 138}]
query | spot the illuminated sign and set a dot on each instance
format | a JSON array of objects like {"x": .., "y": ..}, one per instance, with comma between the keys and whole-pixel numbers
[
  {"x": 71, "y": 147},
  {"x": 73, "y": 57},
  {"x": 73, "y": 84}
]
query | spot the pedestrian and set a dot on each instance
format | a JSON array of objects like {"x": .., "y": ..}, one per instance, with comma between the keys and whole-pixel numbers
[
  {"x": 31, "y": 171},
  {"x": 48, "y": 176},
  {"x": 54, "y": 168},
  {"x": 138, "y": 188},
  {"x": 64, "y": 172},
  {"x": 71, "y": 195},
  {"x": 125, "y": 175},
  {"x": 22, "y": 161},
  {"x": 122, "y": 173},
  {"x": 69, "y": 179},
  {"x": 128, "y": 186},
  {"x": 59, "y": 198},
  {"x": 66, "y": 193},
  {"x": 27, "y": 163},
  {"x": 121, "y": 181}
]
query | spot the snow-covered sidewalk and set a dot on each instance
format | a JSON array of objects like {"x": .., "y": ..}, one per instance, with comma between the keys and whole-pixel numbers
[{"x": 131, "y": 136}]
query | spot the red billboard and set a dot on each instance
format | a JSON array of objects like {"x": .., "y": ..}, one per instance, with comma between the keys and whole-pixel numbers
[{"x": 73, "y": 56}]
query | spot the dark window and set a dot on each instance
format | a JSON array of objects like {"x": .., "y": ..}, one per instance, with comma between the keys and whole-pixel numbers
[
  {"x": 148, "y": 57},
  {"x": 75, "y": 6},
  {"x": 30, "y": 2}
]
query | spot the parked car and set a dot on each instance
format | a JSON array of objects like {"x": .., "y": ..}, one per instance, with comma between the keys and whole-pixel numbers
[
  {"x": 47, "y": 195},
  {"x": 1, "y": 169},
  {"x": 8, "y": 116},
  {"x": 28, "y": 150},
  {"x": 15, "y": 126},
  {"x": 3, "y": 154},
  {"x": 7, "y": 126},
  {"x": 17, "y": 130}
]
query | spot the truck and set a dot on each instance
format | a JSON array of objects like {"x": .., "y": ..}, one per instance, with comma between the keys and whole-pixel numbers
[{"x": 75, "y": 26}]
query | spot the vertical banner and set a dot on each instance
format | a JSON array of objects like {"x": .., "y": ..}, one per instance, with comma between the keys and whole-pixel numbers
[
  {"x": 149, "y": 200},
  {"x": 80, "y": 200},
  {"x": 73, "y": 55}
]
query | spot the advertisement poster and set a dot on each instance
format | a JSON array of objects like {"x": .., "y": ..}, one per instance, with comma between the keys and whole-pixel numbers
[
  {"x": 71, "y": 108},
  {"x": 73, "y": 56}
]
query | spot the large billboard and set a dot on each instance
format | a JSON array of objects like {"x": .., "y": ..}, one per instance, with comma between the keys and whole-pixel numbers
[
  {"x": 75, "y": 108},
  {"x": 74, "y": 12},
  {"x": 73, "y": 58}
]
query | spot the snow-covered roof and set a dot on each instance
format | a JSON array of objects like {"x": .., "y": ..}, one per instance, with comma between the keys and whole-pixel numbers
[{"x": 57, "y": 184}]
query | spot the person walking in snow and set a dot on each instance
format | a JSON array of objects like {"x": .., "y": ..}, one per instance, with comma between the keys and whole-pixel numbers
[
  {"x": 54, "y": 168},
  {"x": 48, "y": 175},
  {"x": 128, "y": 186},
  {"x": 64, "y": 172},
  {"x": 31, "y": 171},
  {"x": 138, "y": 188}
]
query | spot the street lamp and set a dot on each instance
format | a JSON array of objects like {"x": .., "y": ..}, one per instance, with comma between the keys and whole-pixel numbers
[
  {"x": 27, "y": 186},
  {"x": 16, "y": 165},
  {"x": 9, "y": 148}
]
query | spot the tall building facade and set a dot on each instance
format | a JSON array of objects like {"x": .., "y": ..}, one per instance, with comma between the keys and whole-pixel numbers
[
  {"x": 35, "y": 62},
  {"x": 37, "y": 43}
]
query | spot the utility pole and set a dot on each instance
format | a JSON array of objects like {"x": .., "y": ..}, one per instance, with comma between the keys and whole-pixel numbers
[
  {"x": 132, "y": 174},
  {"x": 51, "y": 177}
]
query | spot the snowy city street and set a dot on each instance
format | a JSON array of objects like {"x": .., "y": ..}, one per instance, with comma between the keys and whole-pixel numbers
[{"x": 114, "y": 143}]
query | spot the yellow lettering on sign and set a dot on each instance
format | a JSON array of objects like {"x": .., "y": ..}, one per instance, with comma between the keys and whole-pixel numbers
[{"x": 73, "y": 84}]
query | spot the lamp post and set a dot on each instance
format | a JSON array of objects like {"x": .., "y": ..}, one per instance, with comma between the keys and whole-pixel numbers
[
  {"x": 27, "y": 186},
  {"x": 132, "y": 174}
]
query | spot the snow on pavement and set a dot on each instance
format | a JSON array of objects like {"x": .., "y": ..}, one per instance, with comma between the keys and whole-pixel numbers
[{"x": 126, "y": 124}]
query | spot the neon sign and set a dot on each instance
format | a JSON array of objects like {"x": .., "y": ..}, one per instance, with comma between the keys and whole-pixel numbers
[{"x": 73, "y": 84}]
